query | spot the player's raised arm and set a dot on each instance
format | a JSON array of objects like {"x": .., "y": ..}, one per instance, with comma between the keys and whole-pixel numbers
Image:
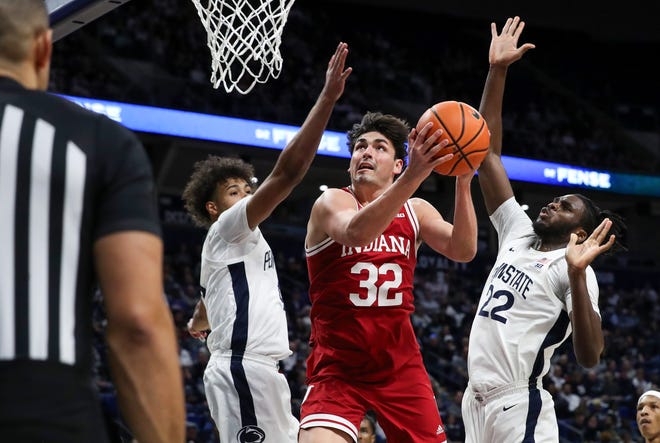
[
  {"x": 296, "y": 158},
  {"x": 504, "y": 50}
]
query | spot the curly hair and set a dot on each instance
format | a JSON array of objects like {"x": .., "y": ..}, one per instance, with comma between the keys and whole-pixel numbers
[
  {"x": 395, "y": 129},
  {"x": 593, "y": 216},
  {"x": 203, "y": 184}
]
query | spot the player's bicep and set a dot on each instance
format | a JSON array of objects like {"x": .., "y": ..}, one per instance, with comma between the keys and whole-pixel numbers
[{"x": 331, "y": 216}]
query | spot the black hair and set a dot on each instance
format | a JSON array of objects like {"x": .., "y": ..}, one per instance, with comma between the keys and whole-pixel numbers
[
  {"x": 203, "y": 184},
  {"x": 593, "y": 216}
]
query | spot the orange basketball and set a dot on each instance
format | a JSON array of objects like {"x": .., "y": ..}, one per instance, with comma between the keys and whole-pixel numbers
[{"x": 466, "y": 130}]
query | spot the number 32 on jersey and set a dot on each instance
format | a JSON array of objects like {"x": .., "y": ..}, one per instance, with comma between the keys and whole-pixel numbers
[{"x": 383, "y": 295}]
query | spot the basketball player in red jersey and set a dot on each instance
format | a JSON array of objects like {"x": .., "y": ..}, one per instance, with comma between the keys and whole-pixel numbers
[{"x": 361, "y": 254}]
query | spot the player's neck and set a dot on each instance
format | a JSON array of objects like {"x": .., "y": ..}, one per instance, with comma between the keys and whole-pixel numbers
[
  {"x": 365, "y": 193},
  {"x": 21, "y": 73},
  {"x": 546, "y": 245}
]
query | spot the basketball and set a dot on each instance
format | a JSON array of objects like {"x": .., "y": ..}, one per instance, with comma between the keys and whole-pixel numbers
[{"x": 466, "y": 131}]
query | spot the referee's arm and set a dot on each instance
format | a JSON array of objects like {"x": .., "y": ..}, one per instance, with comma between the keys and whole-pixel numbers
[{"x": 143, "y": 348}]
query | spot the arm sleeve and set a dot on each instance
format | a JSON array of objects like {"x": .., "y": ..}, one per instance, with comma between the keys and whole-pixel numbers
[
  {"x": 125, "y": 184},
  {"x": 232, "y": 225},
  {"x": 510, "y": 220}
]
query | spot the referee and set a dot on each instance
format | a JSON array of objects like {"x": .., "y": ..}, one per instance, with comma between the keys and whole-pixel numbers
[{"x": 77, "y": 207}]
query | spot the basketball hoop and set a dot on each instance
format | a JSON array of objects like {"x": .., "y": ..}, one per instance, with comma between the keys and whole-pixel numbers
[{"x": 244, "y": 37}]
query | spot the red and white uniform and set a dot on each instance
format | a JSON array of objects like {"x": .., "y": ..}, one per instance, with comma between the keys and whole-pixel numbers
[{"x": 363, "y": 349}]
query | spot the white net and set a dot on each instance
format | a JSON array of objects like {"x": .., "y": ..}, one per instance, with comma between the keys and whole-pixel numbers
[{"x": 244, "y": 37}]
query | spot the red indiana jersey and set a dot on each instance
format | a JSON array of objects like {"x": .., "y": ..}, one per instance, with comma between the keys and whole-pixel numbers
[{"x": 361, "y": 303}]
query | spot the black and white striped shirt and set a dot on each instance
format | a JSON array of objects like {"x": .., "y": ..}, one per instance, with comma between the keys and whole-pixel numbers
[{"x": 67, "y": 177}]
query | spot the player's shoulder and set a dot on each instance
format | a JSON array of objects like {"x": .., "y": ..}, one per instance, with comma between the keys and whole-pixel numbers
[
  {"x": 423, "y": 209},
  {"x": 63, "y": 108},
  {"x": 418, "y": 202},
  {"x": 335, "y": 198}
]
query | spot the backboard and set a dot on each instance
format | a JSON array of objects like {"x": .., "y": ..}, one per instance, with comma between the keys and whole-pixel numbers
[{"x": 68, "y": 15}]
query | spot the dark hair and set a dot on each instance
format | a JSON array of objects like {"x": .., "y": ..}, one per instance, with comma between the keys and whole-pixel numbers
[
  {"x": 593, "y": 216},
  {"x": 395, "y": 129},
  {"x": 370, "y": 417},
  {"x": 203, "y": 184}
]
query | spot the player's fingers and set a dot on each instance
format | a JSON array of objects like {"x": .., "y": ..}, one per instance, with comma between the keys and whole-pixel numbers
[
  {"x": 346, "y": 73},
  {"x": 442, "y": 159},
  {"x": 514, "y": 26},
  {"x": 609, "y": 244},
  {"x": 423, "y": 133},
  {"x": 518, "y": 28},
  {"x": 431, "y": 141},
  {"x": 602, "y": 229},
  {"x": 507, "y": 26},
  {"x": 434, "y": 148},
  {"x": 526, "y": 47},
  {"x": 493, "y": 30}
]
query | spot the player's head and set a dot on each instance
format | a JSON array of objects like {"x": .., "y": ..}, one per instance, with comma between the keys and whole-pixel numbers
[
  {"x": 575, "y": 213},
  {"x": 393, "y": 128},
  {"x": 25, "y": 42},
  {"x": 648, "y": 415},
  {"x": 215, "y": 185},
  {"x": 367, "y": 432},
  {"x": 377, "y": 144}
]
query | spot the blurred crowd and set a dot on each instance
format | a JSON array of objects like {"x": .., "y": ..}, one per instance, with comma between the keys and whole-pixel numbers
[{"x": 567, "y": 102}]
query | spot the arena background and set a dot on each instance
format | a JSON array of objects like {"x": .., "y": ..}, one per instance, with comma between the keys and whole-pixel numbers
[{"x": 589, "y": 75}]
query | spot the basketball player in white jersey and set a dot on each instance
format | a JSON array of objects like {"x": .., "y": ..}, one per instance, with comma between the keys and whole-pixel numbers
[
  {"x": 249, "y": 399},
  {"x": 648, "y": 416},
  {"x": 540, "y": 290}
]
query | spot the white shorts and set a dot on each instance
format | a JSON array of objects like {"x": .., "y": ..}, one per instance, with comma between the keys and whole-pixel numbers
[
  {"x": 516, "y": 413},
  {"x": 249, "y": 399}
]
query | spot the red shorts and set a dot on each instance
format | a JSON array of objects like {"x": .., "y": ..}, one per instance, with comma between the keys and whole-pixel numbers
[{"x": 405, "y": 405}]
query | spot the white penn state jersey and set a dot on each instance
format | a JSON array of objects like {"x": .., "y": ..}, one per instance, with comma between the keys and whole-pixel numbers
[
  {"x": 523, "y": 312},
  {"x": 242, "y": 296}
]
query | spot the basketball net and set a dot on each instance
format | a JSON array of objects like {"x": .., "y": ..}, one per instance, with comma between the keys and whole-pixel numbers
[{"x": 244, "y": 37}]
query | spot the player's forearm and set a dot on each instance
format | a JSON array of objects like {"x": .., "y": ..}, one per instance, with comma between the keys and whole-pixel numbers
[
  {"x": 199, "y": 320},
  {"x": 374, "y": 218},
  {"x": 145, "y": 367},
  {"x": 491, "y": 106},
  {"x": 464, "y": 232},
  {"x": 588, "y": 341}
]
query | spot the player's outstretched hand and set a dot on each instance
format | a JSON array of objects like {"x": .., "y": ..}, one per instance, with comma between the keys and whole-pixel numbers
[
  {"x": 423, "y": 150},
  {"x": 579, "y": 256},
  {"x": 336, "y": 74},
  {"x": 504, "y": 48}
]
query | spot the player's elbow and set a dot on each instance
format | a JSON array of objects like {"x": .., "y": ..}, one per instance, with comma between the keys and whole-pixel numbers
[
  {"x": 464, "y": 252},
  {"x": 588, "y": 359},
  {"x": 469, "y": 254},
  {"x": 139, "y": 328},
  {"x": 588, "y": 362}
]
